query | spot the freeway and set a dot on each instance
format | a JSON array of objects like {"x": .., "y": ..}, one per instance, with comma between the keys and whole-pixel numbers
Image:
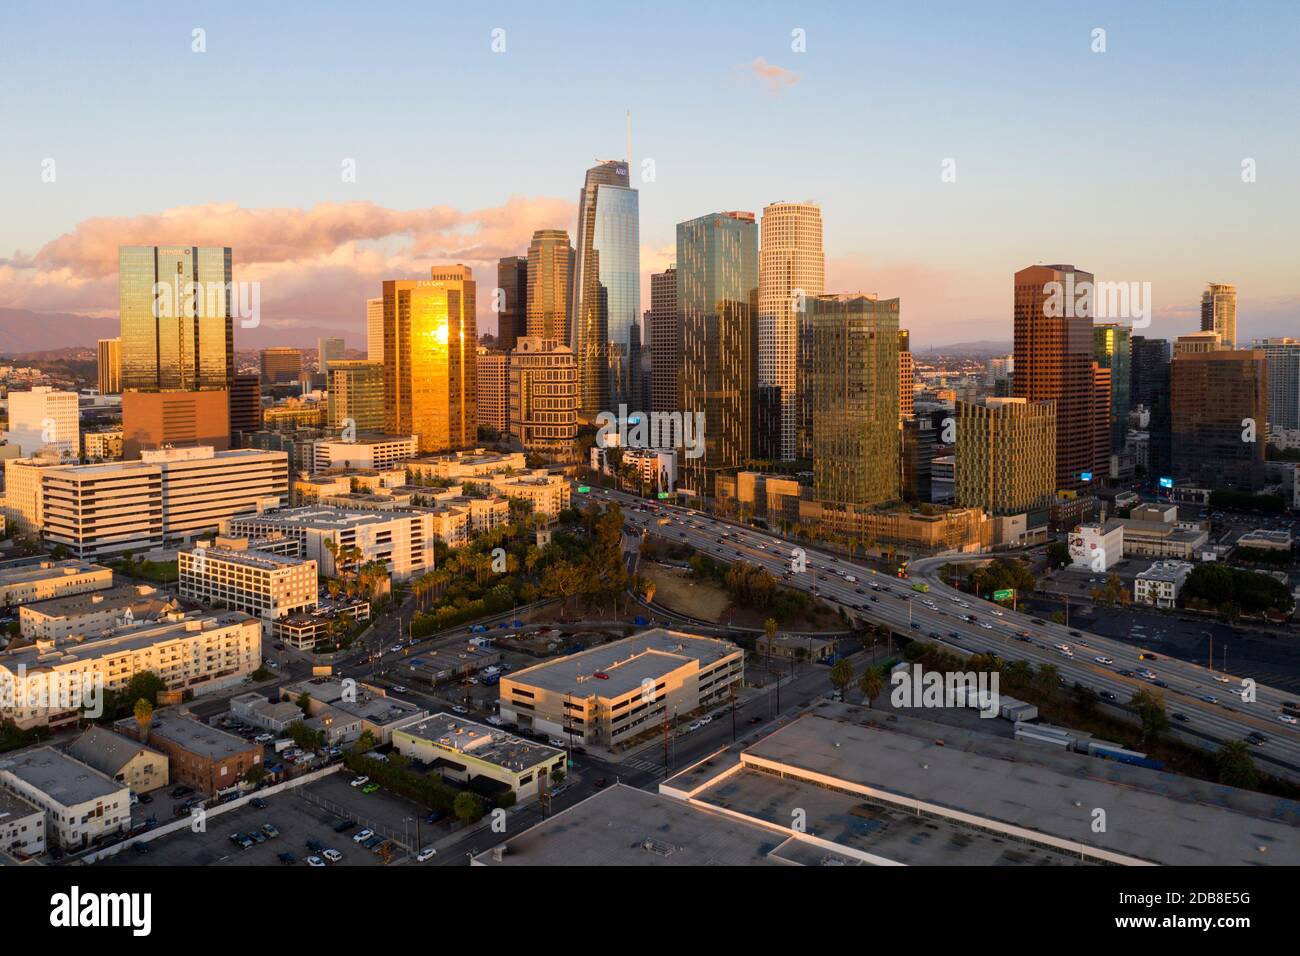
[{"x": 1208, "y": 703}]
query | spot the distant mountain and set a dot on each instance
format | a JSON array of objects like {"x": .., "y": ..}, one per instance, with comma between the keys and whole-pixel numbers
[
  {"x": 22, "y": 330},
  {"x": 982, "y": 347}
]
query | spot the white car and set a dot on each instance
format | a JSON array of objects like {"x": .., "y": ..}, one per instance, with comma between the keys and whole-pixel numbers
[
  {"x": 360, "y": 781},
  {"x": 332, "y": 856},
  {"x": 426, "y": 854},
  {"x": 1287, "y": 719},
  {"x": 361, "y": 836},
  {"x": 315, "y": 861},
  {"x": 1223, "y": 680},
  {"x": 995, "y": 612},
  {"x": 495, "y": 721},
  {"x": 986, "y": 625},
  {"x": 264, "y": 738},
  {"x": 458, "y": 709},
  {"x": 400, "y": 688},
  {"x": 706, "y": 720},
  {"x": 1103, "y": 660},
  {"x": 695, "y": 725},
  {"x": 556, "y": 742}
]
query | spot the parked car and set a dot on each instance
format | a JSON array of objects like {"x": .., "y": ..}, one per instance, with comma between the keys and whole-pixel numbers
[
  {"x": 314, "y": 861},
  {"x": 271, "y": 830},
  {"x": 258, "y": 803},
  {"x": 426, "y": 854},
  {"x": 361, "y": 836},
  {"x": 315, "y": 846},
  {"x": 370, "y": 788},
  {"x": 343, "y": 826},
  {"x": 286, "y": 858},
  {"x": 360, "y": 781},
  {"x": 332, "y": 855}
]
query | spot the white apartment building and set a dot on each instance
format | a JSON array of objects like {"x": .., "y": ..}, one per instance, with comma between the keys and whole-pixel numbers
[
  {"x": 81, "y": 803},
  {"x": 466, "y": 465},
  {"x": 92, "y": 612},
  {"x": 547, "y": 493},
  {"x": 1160, "y": 584},
  {"x": 51, "y": 579},
  {"x": 369, "y": 451},
  {"x": 45, "y": 418},
  {"x": 22, "y": 825},
  {"x": 49, "y": 683},
  {"x": 170, "y": 497},
  {"x": 402, "y": 540},
  {"x": 265, "y": 585}
]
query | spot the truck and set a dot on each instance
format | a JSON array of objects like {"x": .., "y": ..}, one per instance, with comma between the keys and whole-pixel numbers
[{"x": 283, "y": 744}]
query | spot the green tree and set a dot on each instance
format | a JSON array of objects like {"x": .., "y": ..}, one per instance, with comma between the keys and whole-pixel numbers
[
  {"x": 1234, "y": 766},
  {"x": 871, "y": 683},
  {"x": 467, "y": 807},
  {"x": 143, "y": 713},
  {"x": 1150, "y": 708},
  {"x": 841, "y": 675}
]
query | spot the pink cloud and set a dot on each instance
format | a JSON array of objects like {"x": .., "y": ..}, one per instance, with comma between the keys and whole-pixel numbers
[{"x": 776, "y": 77}]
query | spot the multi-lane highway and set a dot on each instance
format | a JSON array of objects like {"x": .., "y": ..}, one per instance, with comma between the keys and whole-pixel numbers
[{"x": 1204, "y": 705}]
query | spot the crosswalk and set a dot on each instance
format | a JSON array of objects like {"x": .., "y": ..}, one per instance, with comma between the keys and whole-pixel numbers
[{"x": 640, "y": 763}]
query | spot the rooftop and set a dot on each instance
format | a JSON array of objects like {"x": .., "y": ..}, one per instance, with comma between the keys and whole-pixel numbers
[
  {"x": 193, "y": 736},
  {"x": 264, "y": 560},
  {"x": 324, "y": 518},
  {"x": 106, "y": 751},
  {"x": 482, "y": 742},
  {"x": 624, "y": 664},
  {"x": 144, "y": 601},
  {"x": 46, "y": 570},
  {"x": 374, "y": 708},
  {"x": 65, "y": 780}
]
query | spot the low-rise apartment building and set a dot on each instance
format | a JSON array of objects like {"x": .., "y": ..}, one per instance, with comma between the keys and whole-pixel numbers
[
  {"x": 22, "y": 826},
  {"x": 141, "y": 768},
  {"x": 93, "y": 612},
  {"x": 1160, "y": 584},
  {"x": 613, "y": 693},
  {"x": 81, "y": 804},
  {"x": 547, "y": 493},
  {"x": 466, "y": 465},
  {"x": 371, "y": 709},
  {"x": 51, "y": 579}
]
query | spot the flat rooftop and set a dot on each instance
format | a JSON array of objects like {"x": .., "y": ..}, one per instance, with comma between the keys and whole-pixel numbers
[
  {"x": 650, "y": 654},
  {"x": 191, "y": 735},
  {"x": 374, "y": 708},
  {"x": 140, "y": 598},
  {"x": 1154, "y": 816},
  {"x": 54, "y": 773},
  {"x": 175, "y": 627},
  {"x": 324, "y": 518},
  {"x": 50, "y": 570},
  {"x": 623, "y": 826},
  {"x": 14, "y": 807},
  {"x": 482, "y": 741},
  {"x": 263, "y": 560}
]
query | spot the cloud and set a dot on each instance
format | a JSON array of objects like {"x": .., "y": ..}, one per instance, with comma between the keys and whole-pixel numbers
[
  {"x": 776, "y": 78},
  {"x": 315, "y": 265}
]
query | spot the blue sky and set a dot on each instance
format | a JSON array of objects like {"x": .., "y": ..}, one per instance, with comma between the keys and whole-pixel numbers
[{"x": 1125, "y": 162}]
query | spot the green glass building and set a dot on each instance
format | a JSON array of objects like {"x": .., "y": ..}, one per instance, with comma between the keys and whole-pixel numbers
[{"x": 1112, "y": 348}]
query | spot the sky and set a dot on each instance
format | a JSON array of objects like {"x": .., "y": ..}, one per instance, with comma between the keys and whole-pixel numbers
[{"x": 1126, "y": 162}]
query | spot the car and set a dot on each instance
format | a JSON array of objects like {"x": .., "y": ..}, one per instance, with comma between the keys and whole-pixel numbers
[
  {"x": 1287, "y": 719},
  {"x": 1223, "y": 680},
  {"x": 1101, "y": 659},
  {"x": 145, "y": 798},
  {"x": 182, "y": 791},
  {"x": 759, "y": 720},
  {"x": 314, "y": 861},
  {"x": 426, "y": 854},
  {"x": 396, "y": 648},
  {"x": 986, "y": 625},
  {"x": 271, "y": 830},
  {"x": 361, "y": 836},
  {"x": 257, "y": 836},
  {"x": 996, "y": 613},
  {"x": 1180, "y": 717},
  {"x": 1256, "y": 738},
  {"x": 601, "y": 783},
  {"x": 1125, "y": 673},
  {"x": 934, "y": 635},
  {"x": 695, "y": 725},
  {"x": 433, "y": 817},
  {"x": 458, "y": 709},
  {"x": 374, "y": 841},
  {"x": 370, "y": 787},
  {"x": 1210, "y": 699},
  {"x": 400, "y": 688},
  {"x": 556, "y": 742},
  {"x": 264, "y": 738},
  {"x": 1108, "y": 695},
  {"x": 315, "y": 846},
  {"x": 1039, "y": 621},
  {"x": 343, "y": 826},
  {"x": 707, "y": 719},
  {"x": 139, "y": 846},
  {"x": 954, "y": 635},
  {"x": 1075, "y": 634},
  {"x": 245, "y": 841},
  {"x": 360, "y": 781},
  {"x": 332, "y": 855},
  {"x": 286, "y": 858},
  {"x": 257, "y": 803}
]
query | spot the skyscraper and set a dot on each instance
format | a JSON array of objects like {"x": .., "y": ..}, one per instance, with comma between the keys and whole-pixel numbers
[
  {"x": 430, "y": 340},
  {"x": 665, "y": 342},
  {"x": 245, "y": 406},
  {"x": 1219, "y": 312},
  {"x": 550, "y": 271},
  {"x": 490, "y": 393},
  {"x": 375, "y": 329},
  {"x": 174, "y": 303},
  {"x": 542, "y": 397},
  {"x": 1005, "y": 455},
  {"x": 110, "y": 366},
  {"x": 906, "y": 376},
  {"x": 1112, "y": 348},
  {"x": 1150, "y": 388},
  {"x": 1283, "y": 381},
  {"x": 45, "y": 419},
  {"x": 605, "y": 293},
  {"x": 356, "y": 395},
  {"x": 1220, "y": 405},
  {"x": 791, "y": 269},
  {"x": 854, "y": 397},
  {"x": 717, "y": 298},
  {"x": 281, "y": 365},
  {"x": 1053, "y": 361},
  {"x": 327, "y": 350},
  {"x": 512, "y": 316}
]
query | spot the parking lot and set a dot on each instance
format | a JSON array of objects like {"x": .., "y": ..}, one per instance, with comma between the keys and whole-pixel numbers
[{"x": 301, "y": 814}]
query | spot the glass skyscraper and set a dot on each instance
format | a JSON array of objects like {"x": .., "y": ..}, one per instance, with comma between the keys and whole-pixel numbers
[
  {"x": 1112, "y": 348},
  {"x": 605, "y": 296},
  {"x": 174, "y": 303}
]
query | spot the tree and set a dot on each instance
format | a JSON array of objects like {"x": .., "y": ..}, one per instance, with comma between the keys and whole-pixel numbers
[
  {"x": 1150, "y": 707},
  {"x": 871, "y": 683},
  {"x": 255, "y": 774},
  {"x": 467, "y": 807},
  {"x": 1234, "y": 766},
  {"x": 769, "y": 629},
  {"x": 841, "y": 675},
  {"x": 304, "y": 702},
  {"x": 143, "y": 717},
  {"x": 1048, "y": 679},
  {"x": 1058, "y": 554}
]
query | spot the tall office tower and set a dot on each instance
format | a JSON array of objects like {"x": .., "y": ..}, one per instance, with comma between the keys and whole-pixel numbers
[
  {"x": 1197, "y": 342},
  {"x": 1101, "y": 421},
  {"x": 281, "y": 365},
  {"x": 375, "y": 329},
  {"x": 549, "y": 272},
  {"x": 637, "y": 385},
  {"x": 543, "y": 397},
  {"x": 430, "y": 338},
  {"x": 854, "y": 388},
  {"x": 717, "y": 297},
  {"x": 665, "y": 341},
  {"x": 605, "y": 292},
  {"x": 356, "y": 395},
  {"x": 1006, "y": 461},
  {"x": 493, "y": 365},
  {"x": 1150, "y": 388},
  {"x": 1215, "y": 397},
  {"x": 153, "y": 420},
  {"x": 791, "y": 270},
  {"x": 906, "y": 376},
  {"x": 1053, "y": 356},
  {"x": 1219, "y": 312},
  {"x": 45, "y": 419},
  {"x": 1283, "y": 381},
  {"x": 512, "y": 306},
  {"x": 110, "y": 366},
  {"x": 646, "y": 399},
  {"x": 1112, "y": 348},
  {"x": 175, "y": 309},
  {"x": 920, "y": 438},
  {"x": 245, "y": 407},
  {"x": 328, "y": 350}
]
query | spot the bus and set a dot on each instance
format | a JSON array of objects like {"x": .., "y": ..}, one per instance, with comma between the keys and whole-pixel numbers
[{"x": 921, "y": 587}]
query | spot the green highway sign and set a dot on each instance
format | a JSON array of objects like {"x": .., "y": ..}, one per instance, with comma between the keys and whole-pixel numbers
[
  {"x": 583, "y": 489},
  {"x": 664, "y": 494},
  {"x": 1005, "y": 595}
]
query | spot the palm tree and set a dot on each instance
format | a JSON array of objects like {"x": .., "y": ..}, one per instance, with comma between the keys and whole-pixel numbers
[
  {"x": 871, "y": 683},
  {"x": 143, "y": 717},
  {"x": 769, "y": 628},
  {"x": 1048, "y": 679}
]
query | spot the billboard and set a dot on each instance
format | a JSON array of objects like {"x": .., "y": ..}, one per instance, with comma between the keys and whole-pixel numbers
[{"x": 1167, "y": 483}]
